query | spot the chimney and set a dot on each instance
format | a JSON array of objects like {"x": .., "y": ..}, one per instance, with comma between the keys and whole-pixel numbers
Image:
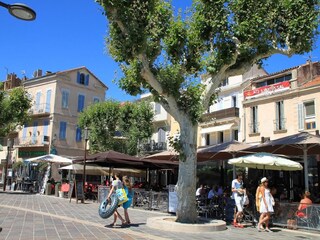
[
  {"x": 37, "y": 73},
  {"x": 48, "y": 72},
  {"x": 262, "y": 140},
  {"x": 317, "y": 133}
]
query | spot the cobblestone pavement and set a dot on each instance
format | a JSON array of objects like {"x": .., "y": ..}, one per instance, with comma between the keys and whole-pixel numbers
[{"x": 35, "y": 217}]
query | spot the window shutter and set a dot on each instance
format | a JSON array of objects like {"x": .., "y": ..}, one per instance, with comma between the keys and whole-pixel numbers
[
  {"x": 300, "y": 116},
  {"x": 78, "y": 77},
  {"x": 45, "y": 129},
  {"x": 34, "y": 134},
  {"x": 63, "y": 129},
  {"x": 80, "y": 103},
  {"x": 87, "y": 80},
  {"x": 38, "y": 96},
  {"x": 24, "y": 132},
  {"x": 48, "y": 101},
  {"x": 78, "y": 134},
  {"x": 278, "y": 104}
]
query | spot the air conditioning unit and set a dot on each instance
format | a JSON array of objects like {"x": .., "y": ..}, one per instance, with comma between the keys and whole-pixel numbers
[
  {"x": 40, "y": 110},
  {"x": 46, "y": 139}
]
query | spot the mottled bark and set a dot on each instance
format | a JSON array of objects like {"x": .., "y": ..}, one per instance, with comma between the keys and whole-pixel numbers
[{"x": 187, "y": 212}]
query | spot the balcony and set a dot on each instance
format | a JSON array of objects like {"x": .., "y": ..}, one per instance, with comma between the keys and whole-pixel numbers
[
  {"x": 42, "y": 109},
  {"x": 221, "y": 114},
  {"x": 154, "y": 147},
  {"x": 32, "y": 141},
  {"x": 254, "y": 129},
  {"x": 280, "y": 125}
]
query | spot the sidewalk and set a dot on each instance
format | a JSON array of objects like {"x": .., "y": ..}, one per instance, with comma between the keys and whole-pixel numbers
[{"x": 24, "y": 216}]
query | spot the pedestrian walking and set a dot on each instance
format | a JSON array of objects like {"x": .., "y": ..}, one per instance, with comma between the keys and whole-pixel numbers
[
  {"x": 116, "y": 184},
  {"x": 128, "y": 188},
  {"x": 266, "y": 205},
  {"x": 238, "y": 194}
]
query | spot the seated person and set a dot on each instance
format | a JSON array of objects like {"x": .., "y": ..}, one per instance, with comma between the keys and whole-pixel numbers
[
  {"x": 212, "y": 193},
  {"x": 304, "y": 203},
  {"x": 200, "y": 191}
]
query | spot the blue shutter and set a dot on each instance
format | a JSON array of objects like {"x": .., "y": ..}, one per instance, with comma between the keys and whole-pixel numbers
[
  {"x": 80, "y": 102},
  {"x": 38, "y": 96},
  {"x": 65, "y": 99},
  {"x": 48, "y": 101},
  {"x": 78, "y": 77},
  {"x": 34, "y": 134},
  {"x": 24, "y": 132},
  {"x": 45, "y": 129},
  {"x": 87, "y": 80},
  {"x": 63, "y": 129},
  {"x": 78, "y": 134}
]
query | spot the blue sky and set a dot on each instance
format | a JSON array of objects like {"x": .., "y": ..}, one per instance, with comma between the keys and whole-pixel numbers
[{"x": 70, "y": 33}]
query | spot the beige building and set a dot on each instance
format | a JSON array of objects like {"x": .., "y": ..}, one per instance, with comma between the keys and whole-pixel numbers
[
  {"x": 222, "y": 122},
  {"x": 58, "y": 98},
  {"x": 282, "y": 104}
]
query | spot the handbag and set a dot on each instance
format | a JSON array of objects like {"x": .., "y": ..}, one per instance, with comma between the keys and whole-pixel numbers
[
  {"x": 122, "y": 196},
  {"x": 292, "y": 224}
]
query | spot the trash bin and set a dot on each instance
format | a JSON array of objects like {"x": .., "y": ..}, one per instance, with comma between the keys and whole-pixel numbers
[{"x": 48, "y": 189}]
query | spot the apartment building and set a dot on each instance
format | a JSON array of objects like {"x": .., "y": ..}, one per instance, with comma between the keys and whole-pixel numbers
[
  {"x": 222, "y": 122},
  {"x": 282, "y": 103},
  {"x": 57, "y": 98}
]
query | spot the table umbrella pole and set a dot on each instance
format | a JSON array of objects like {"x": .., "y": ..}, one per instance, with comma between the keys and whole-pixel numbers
[{"x": 305, "y": 161}]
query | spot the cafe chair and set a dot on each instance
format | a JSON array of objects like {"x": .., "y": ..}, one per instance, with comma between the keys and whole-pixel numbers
[{"x": 308, "y": 217}]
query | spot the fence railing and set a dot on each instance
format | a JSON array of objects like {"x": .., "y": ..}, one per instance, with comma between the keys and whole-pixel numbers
[{"x": 287, "y": 215}]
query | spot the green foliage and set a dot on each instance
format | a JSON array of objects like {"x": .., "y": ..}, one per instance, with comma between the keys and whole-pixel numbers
[
  {"x": 14, "y": 105},
  {"x": 107, "y": 119},
  {"x": 215, "y": 36}
]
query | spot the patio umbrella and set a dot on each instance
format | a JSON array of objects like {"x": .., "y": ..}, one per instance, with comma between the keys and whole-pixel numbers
[
  {"x": 50, "y": 158},
  {"x": 266, "y": 161},
  {"x": 169, "y": 155},
  {"x": 298, "y": 144},
  {"x": 223, "y": 151},
  {"x": 95, "y": 169}
]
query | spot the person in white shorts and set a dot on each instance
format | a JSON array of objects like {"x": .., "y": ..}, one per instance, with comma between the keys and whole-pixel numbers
[{"x": 238, "y": 194}]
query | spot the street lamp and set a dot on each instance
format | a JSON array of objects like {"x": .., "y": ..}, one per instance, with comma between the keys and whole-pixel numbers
[
  {"x": 20, "y": 11},
  {"x": 86, "y": 138},
  {"x": 9, "y": 146}
]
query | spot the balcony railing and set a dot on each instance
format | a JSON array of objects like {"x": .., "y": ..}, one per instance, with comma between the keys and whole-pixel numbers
[
  {"x": 280, "y": 124},
  {"x": 32, "y": 141},
  {"x": 42, "y": 108},
  {"x": 155, "y": 146},
  {"x": 221, "y": 114},
  {"x": 254, "y": 128}
]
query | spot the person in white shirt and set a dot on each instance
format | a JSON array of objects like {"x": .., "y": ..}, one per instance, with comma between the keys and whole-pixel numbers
[
  {"x": 238, "y": 194},
  {"x": 200, "y": 191}
]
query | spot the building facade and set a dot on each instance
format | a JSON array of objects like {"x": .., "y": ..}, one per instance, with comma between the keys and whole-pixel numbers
[
  {"x": 222, "y": 122},
  {"x": 282, "y": 104}
]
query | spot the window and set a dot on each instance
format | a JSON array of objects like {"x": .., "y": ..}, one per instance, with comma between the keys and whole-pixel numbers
[
  {"x": 207, "y": 139},
  {"x": 236, "y": 135},
  {"x": 280, "y": 120},
  {"x": 83, "y": 79},
  {"x": 306, "y": 115},
  {"x": 234, "y": 101},
  {"x": 80, "y": 102},
  {"x": 274, "y": 80},
  {"x": 96, "y": 99},
  {"x": 254, "y": 119},
  {"x": 63, "y": 131},
  {"x": 309, "y": 109},
  {"x": 224, "y": 83},
  {"x": 78, "y": 134},
  {"x": 220, "y": 137},
  {"x": 65, "y": 99},
  {"x": 157, "y": 108}
]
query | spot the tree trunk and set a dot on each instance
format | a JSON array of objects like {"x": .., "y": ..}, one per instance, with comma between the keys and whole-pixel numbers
[{"x": 186, "y": 211}]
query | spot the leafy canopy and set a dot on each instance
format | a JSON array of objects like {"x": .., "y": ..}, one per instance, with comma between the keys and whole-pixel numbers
[
  {"x": 107, "y": 119},
  {"x": 14, "y": 105},
  {"x": 165, "y": 53}
]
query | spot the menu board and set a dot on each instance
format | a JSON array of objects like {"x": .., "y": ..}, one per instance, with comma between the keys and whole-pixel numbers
[
  {"x": 173, "y": 199},
  {"x": 70, "y": 190},
  {"x": 79, "y": 191}
]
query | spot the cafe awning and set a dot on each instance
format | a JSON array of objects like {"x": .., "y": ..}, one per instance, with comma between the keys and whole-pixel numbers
[{"x": 219, "y": 128}]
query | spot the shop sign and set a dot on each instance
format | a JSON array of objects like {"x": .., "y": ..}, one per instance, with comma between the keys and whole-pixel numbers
[
  {"x": 267, "y": 90},
  {"x": 28, "y": 154}
]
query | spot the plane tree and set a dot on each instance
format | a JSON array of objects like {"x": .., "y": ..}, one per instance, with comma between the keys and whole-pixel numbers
[{"x": 165, "y": 53}]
